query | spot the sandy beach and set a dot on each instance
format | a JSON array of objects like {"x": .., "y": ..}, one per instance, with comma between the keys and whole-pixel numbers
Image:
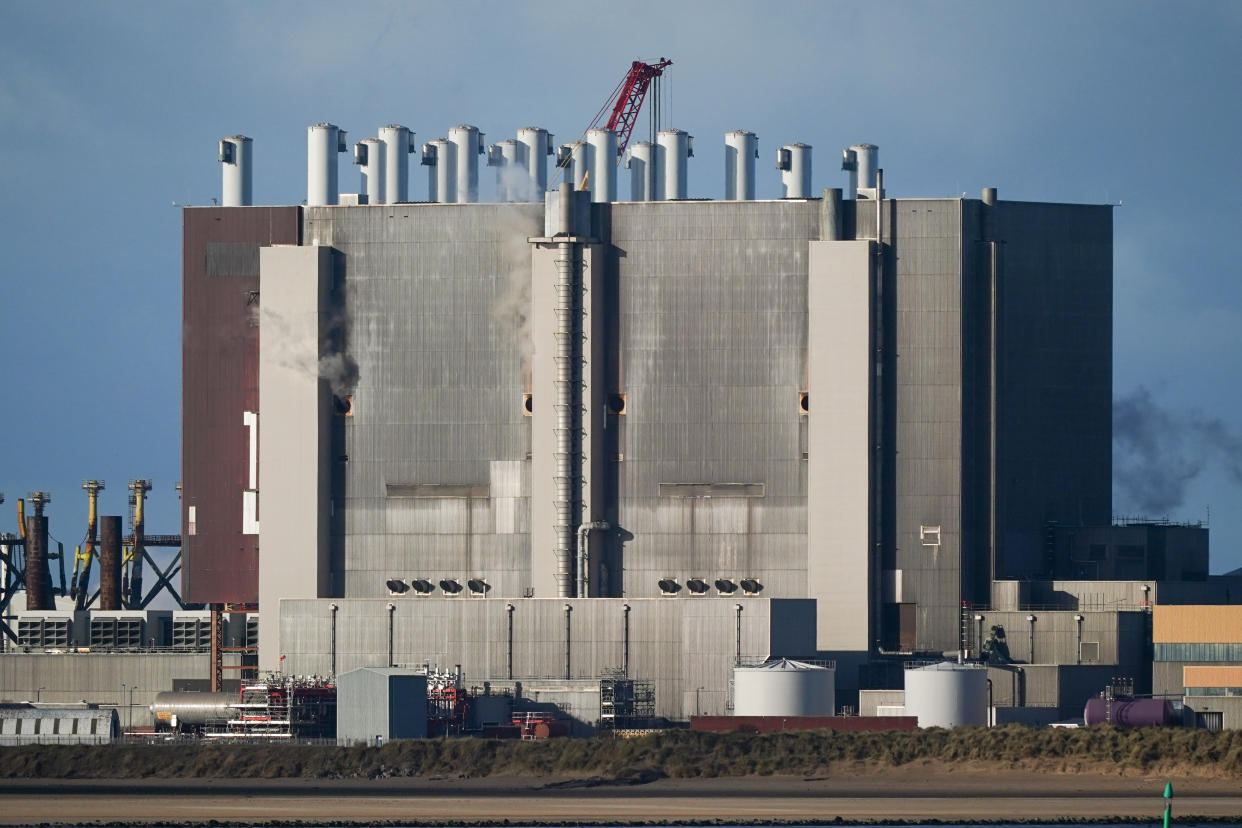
[{"x": 905, "y": 794}]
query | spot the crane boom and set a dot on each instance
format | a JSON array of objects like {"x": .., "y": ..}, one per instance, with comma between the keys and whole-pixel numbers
[{"x": 630, "y": 101}]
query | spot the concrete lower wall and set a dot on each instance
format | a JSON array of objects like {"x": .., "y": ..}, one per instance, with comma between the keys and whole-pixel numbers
[
  {"x": 100, "y": 678},
  {"x": 686, "y": 646}
]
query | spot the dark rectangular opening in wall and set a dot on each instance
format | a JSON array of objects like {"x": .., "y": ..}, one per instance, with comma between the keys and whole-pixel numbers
[{"x": 898, "y": 627}]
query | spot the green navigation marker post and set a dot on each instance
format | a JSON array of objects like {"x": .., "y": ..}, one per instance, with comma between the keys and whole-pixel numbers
[{"x": 1168, "y": 803}]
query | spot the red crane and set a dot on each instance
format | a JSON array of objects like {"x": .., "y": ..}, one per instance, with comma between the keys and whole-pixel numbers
[{"x": 630, "y": 101}]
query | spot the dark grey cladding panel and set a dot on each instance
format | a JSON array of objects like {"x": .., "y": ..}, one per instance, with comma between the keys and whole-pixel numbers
[
  {"x": 711, "y": 490},
  {"x": 232, "y": 259}
]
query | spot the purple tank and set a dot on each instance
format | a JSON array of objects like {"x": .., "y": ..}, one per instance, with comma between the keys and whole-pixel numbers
[{"x": 1129, "y": 713}]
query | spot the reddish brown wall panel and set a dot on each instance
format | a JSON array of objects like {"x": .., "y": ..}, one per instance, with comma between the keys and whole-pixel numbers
[{"x": 219, "y": 382}]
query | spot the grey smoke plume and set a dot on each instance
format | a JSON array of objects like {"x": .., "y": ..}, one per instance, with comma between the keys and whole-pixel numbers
[
  {"x": 286, "y": 343},
  {"x": 1158, "y": 452},
  {"x": 511, "y": 309}
]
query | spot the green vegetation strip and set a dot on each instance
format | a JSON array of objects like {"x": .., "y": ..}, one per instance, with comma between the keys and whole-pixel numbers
[{"x": 675, "y": 754}]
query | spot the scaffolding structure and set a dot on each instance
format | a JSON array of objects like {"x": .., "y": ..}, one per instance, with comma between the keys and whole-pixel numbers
[
  {"x": 624, "y": 702},
  {"x": 283, "y": 707}
]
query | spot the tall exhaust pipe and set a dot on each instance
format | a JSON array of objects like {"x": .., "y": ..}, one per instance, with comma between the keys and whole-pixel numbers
[
  {"x": 110, "y": 562},
  {"x": 536, "y": 147},
  {"x": 794, "y": 162},
  {"x": 741, "y": 150},
  {"x": 323, "y": 142},
  {"x": 369, "y": 155},
  {"x": 506, "y": 157},
  {"x": 398, "y": 143},
  {"x": 572, "y": 159},
  {"x": 603, "y": 160},
  {"x": 468, "y": 142},
  {"x": 849, "y": 163},
  {"x": 439, "y": 157},
  {"x": 38, "y": 576},
  {"x": 868, "y": 159},
  {"x": 642, "y": 167},
  {"x": 235, "y": 156},
  {"x": 673, "y": 149}
]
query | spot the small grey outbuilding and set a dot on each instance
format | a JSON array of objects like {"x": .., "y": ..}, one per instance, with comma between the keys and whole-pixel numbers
[{"x": 384, "y": 702}]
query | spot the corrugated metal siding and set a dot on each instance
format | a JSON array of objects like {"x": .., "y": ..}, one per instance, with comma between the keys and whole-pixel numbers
[
  {"x": 1196, "y": 624},
  {"x": 434, "y": 310},
  {"x": 220, "y": 381},
  {"x": 711, "y": 356},
  {"x": 680, "y": 644}
]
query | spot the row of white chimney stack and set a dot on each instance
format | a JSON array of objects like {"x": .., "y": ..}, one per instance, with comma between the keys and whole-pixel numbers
[{"x": 658, "y": 172}]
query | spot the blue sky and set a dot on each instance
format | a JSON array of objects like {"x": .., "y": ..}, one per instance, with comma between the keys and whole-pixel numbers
[{"x": 110, "y": 113}]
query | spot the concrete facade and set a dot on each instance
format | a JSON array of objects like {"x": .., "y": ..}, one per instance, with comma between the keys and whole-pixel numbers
[{"x": 686, "y": 646}]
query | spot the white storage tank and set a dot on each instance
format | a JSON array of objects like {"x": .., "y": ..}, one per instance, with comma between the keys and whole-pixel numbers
[
  {"x": 641, "y": 164},
  {"x": 947, "y": 694},
  {"x": 784, "y": 688}
]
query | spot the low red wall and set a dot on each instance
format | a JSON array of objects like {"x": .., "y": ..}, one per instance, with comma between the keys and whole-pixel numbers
[{"x": 771, "y": 724}]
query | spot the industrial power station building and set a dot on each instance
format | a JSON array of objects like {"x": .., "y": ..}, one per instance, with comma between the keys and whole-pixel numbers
[{"x": 545, "y": 438}]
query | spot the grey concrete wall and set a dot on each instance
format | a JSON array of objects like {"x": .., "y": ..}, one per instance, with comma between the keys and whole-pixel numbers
[
  {"x": 841, "y": 370},
  {"x": 1120, "y": 635},
  {"x": 433, "y": 480},
  {"x": 99, "y": 678},
  {"x": 682, "y": 644},
  {"x": 711, "y": 354},
  {"x": 293, "y": 454}
]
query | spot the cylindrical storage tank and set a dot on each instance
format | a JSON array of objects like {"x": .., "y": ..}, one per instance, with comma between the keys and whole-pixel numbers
[
  {"x": 867, "y": 156},
  {"x": 741, "y": 149},
  {"x": 398, "y": 144},
  {"x": 603, "y": 144},
  {"x": 572, "y": 159},
  {"x": 784, "y": 688},
  {"x": 511, "y": 179},
  {"x": 468, "y": 142},
  {"x": 192, "y": 709},
  {"x": 110, "y": 562},
  {"x": 1129, "y": 713},
  {"x": 439, "y": 157},
  {"x": 235, "y": 157},
  {"x": 947, "y": 695},
  {"x": 369, "y": 156},
  {"x": 323, "y": 142},
  {"x": 794, "y": 162},
  {"x": 673, "y": 149},
  {"x": 537, "y": 146},
  {"x": 642, "y": 167}
]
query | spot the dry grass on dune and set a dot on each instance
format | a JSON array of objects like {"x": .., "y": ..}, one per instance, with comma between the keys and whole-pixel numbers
[{"x": 677, "y": 754}]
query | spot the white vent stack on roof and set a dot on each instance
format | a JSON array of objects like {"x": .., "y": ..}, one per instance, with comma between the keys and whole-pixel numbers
[
  {"x": 537, "y": 146},
  {"x": 849, "y": 163},
  {"x": 673, "y": 149},
  {"x": 398, "y": 143},
  {"x": 603, "y": 155},
  {"x": 236, "y": 153},
  {"x": 369, "y": 156},
  {"x": 572, "y": 158},
  {"x": 323, "y": 142},
  {"x": 947, "y": 694},
  {"x": 867, "y": 157},
  {"x": 640, "y": 161},
  {"x": 794, "y": 162},
  {"x": 468, "y": 142},
  {"x": 506, "y": 157},
  {"x": 784, "y": 688},
  {"x": 439, "y": 157},
  {"x": 741, "y": 150}
]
